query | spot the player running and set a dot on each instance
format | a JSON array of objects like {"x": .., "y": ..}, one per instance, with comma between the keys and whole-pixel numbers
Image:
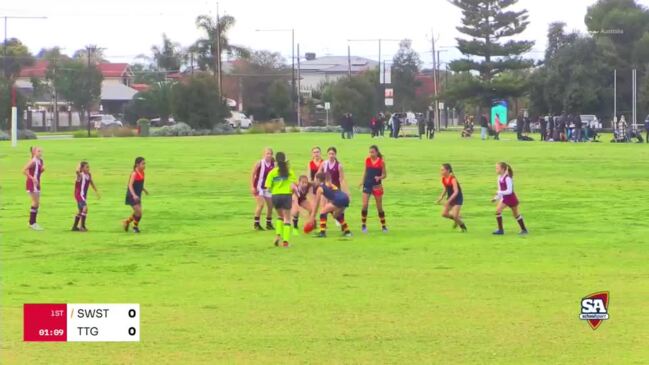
[
  {"x": 279, "y": 182},
  {"x": 331, "y": 200},
  {"x": 84, "y": 180},
  {"x": 134, "y": 194},
  {"x": 260, "y": 190},
  {"x": 33, "y": 171},
  {"x": 454, "y": 197},
  {"x": 300, "y": 194},
  {"x": 375, "y": 173},
  {"x": 506, "y": 198}
]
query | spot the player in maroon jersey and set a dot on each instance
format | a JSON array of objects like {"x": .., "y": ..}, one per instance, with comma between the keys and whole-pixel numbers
[
  {"x": 33, "y": 171},
  {"x": 314, "y": 165},
  {"x": 372, "y": 185},
  {"x": 84, "y": 180},
  {"x": 300, "y": 195},
  {"x": 334, "y": 168},
  {"x": 506, "y": 197},
  {"x": 259, "y": 190}
]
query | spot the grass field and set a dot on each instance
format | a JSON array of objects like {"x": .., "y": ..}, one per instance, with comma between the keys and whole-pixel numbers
[{"x": 212, "y": 291}]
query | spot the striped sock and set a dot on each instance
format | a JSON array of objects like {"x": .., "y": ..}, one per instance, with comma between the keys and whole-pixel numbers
[
  {"x": 32, "y": 215},
  {"x": 382, "y": 218},
  {"x": 521, "y": 223},
  {"x": 136, "y": 220},
  {"x": 296, "y": 222},
  {"x": 364, "y": 217},
  {"x": 499, "y": 219},
  {"x": 323, "y": 223},
  {"x": 83, "y": 220}
]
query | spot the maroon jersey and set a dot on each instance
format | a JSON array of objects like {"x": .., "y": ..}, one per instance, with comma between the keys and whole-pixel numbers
[
  {"x": 333, "y": 169},
  {"x": 263, "y": 169},
  {"x": 35, "y": 172},
  {"x": 506, "y": 191},
  {"x": 300, "y": 194},
  {"x": 81, "y": 187}
]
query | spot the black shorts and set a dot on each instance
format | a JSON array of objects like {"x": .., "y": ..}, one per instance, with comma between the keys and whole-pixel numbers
[
  {"x": 284, "y": 202},
  {"x": 81, "y": 204},
  {"x": 129, "y": 200},
  {"x": 341, "y": 202}
]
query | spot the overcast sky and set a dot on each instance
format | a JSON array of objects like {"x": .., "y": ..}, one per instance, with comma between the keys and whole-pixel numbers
[{"x": 127, "y": 28}]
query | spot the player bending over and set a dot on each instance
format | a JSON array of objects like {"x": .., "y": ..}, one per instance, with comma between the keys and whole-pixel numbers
[
  {"x": 331, "y": 200},
  {"x": 300, "y": 194}
]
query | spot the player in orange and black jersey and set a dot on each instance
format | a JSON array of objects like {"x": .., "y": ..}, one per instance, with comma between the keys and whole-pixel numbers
[
  {"x": 454, "y": 197},
  {"x": 134, "y": 194},
  {"x": 372, "y": 185}
]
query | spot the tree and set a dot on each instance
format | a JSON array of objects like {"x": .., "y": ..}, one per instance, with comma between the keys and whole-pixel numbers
[
  {"x": 215, "y": 34},
  {"x": 96, "y": 55},
  {"x": 158, "y": 99},
  {"x": 621, "y": 31},
  {"x": 489, "y": 53},
  {"x": 169, "y": 56},
  {"x": 356, "y": 95},
  {"x": 405, "y": 67},
  {"x": 197, "y": 102},
  {"x": 79, "y": 83},
  {"x": 279, "y": 99},
  {"x": 18, "y": 56}
]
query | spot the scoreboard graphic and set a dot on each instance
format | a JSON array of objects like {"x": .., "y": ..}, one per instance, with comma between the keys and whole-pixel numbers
[{"x": 81, "y": 323}]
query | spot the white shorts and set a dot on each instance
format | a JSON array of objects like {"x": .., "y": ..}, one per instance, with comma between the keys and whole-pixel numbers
[{"x": 264, "y": 193}]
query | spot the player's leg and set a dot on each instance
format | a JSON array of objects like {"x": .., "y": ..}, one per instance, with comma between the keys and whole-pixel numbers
[
  {"x": 519, "y": 219},
  {"x": 378, "y": 197},
  {"x": 137, "y": 217},
  {"x": 33, "y": 213},
  {"x": 77, "y": 218},
  {"x": 364, "y": 210},
  {"x": 455, "y": 213},
  {"x": 295, "y": 214},
  {"x": 260, "y": 201},
  {"x": 269, "y": 211},
  {"x": 499, "y": 218},
  {"x": 84, "y": 215},
  {"x": 327, "y": 209}
]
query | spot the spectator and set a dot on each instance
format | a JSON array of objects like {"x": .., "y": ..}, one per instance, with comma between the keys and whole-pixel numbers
[
  {"x": 484, "y": 127},
  {"x": 421, "y": 124},
  {"x": 430, "y": 126},
  {"x": 397, "y": 125},
  {"x": 380, "y": 124},
  {"x": 578, "y": 126},
  {"x": 373, "y": 126},
  {"x": 520, "y": 125},
  {"x": 646, "y": 129},
  {"x": 343, "y": 125},
  {"x": 350, "y": 126},
  {"x": 543, "y": 124},
  {"x": 561, "y": 128}
]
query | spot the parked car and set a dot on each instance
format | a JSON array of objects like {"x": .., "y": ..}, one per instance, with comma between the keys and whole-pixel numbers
[
  {"x": 104, "y": 121},
  {"x": 239, "y": 120},
  {"x": 157, "y": 122}
]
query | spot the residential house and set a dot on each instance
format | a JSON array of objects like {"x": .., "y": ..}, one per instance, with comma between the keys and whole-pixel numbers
[{"x": 317, "y": 71}]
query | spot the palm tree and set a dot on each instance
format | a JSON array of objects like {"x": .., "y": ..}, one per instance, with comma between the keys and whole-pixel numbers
[
  {"x": 209, "y": 52},
  {"x": 97, "y": 55},
  {"x": 168, "y": 57},
  {"x": 158, "y": 99}
]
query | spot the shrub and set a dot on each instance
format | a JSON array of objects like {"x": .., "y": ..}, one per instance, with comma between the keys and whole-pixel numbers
[
  {"x": 224, "y": 128},
  {"x": 176, "y": 130},
  {"x": 268, "y": 127},
  {"x": 334, "y": 129},
  {"x": 4, "y": 136},
  {"x": 26, "y": 134},
  {"x": 84, "y": 134},
  {"x": 294, "y": 130},
  {"x": 142, "y": 121},
  {"x": 117, "y": 132}
]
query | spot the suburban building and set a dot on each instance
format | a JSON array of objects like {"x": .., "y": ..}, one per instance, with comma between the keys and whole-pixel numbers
[{"x": 316, "y": 71}]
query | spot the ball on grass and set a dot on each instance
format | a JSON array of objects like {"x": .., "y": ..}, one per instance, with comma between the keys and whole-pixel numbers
[{"x": 309, "y": 227}]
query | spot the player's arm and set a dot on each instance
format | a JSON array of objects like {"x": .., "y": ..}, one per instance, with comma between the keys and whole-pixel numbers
[
  {"x": 253, "y": 177},
  {"x": 94, "y": 187},
  {"x": 131, "y": 190},
  {"x": 26, "y": 170},
  {"x": 384, "y": 173},
  {"x": 441, "y": 196}
]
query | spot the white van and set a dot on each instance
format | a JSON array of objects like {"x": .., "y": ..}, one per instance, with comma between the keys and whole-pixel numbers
[{"x": 239, "y": 120}]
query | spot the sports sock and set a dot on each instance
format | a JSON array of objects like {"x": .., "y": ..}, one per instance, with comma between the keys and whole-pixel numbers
[
  {"x": 382, "y": 218},
  {"x": 136, "y": 220},
  {"x": 32, "y": 215},
  {"x": 323, "y": 223},
  {"x": 343, "y": 225},
  {"x": 286, "y": 234},
  {"x": 130, "y": 219},
  {"x": 77, "y": 218},
  {"x": 269, "y": 220},
  {"x": 279, "y": 226},
  {"x": 364, "y": 217},
  {"x": 83, "y": 220},
  {"x": 499, "y": 219},
  {"x": 521, "y": 223},
  {"x": 257, "y": 219},
  {"x": 296, "y": 221}
]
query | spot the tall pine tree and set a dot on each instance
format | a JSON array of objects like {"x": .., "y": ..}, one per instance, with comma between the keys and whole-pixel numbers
[{"x": 490, "y": 52}]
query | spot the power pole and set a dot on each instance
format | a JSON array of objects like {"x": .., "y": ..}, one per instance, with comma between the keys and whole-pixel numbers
[
  {"x": 299, "y": 88},
  {"x": 436, "y": 111},
  {"x": 89, "y": 50},
  {"x": 218, "y": 50},
  {"x": 349, "y": 61}
]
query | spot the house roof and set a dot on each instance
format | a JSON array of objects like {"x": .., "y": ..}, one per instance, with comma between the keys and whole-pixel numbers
[
  {"x": 337, "y": 64},
  {"x": 39, "y": 69},
  {"x": 116, "y": 92},
  {"x": 141, "y": 87},
  {"x": 113, "y": 69}
]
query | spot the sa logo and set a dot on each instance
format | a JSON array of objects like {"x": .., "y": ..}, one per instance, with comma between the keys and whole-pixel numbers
[{"x": 594, "y": 309}]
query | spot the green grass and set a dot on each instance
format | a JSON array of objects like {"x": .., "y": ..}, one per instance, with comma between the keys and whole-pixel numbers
[{"x": 213, "y": 291}]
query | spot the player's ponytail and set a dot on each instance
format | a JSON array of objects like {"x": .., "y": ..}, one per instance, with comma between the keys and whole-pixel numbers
[
  {"x": 378, "y": 152},
  {"x": 448, "y": 167},
  {"x": 509, "y": 171},
  {"x": 282, "y": 164}
]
